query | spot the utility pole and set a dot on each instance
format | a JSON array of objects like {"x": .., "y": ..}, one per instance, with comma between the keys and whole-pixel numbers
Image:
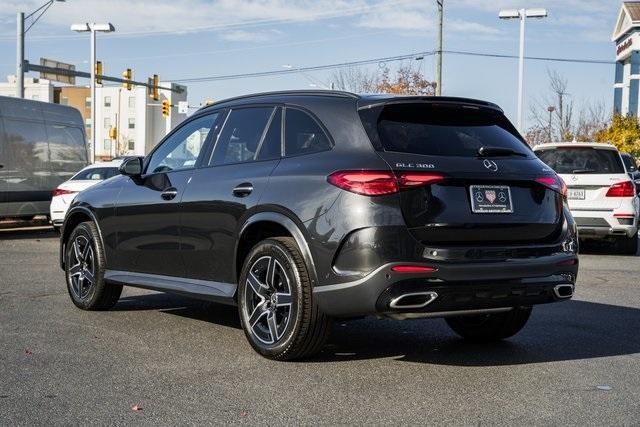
[
  {"x": 20, "y": 55},
  {"x": 439, "y": 51}
]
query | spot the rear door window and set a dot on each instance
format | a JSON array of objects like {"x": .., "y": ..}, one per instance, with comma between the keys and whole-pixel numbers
[
  {"x": 439, "y": 130},
  {"x": 241, "y": 135},
  {"x": 581, "y": 160},
  {"x": 303, "y": 135},
  {"x": 271, "y": 145}
]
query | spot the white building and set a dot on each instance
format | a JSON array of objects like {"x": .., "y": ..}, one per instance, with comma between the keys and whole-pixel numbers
[
  {"x": 136, "y": 117},
  {"x": 34, "y": 88},
  {"x": 626, "y": 36}
]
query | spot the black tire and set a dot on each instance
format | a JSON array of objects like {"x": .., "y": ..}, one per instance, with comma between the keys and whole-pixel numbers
[
  {"x": 490, "y": 327},
  {"x": 84, "y": 270},
  {"x": 280, "y": 327},
  {"x": 627, "y": 245}
]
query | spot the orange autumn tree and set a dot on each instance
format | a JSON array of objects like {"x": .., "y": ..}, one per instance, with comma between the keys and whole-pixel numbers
[{"x": 406, "y": 81}]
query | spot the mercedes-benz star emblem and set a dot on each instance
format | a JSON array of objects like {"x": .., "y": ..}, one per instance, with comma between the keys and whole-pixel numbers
[{"x": 490, "y": 164}]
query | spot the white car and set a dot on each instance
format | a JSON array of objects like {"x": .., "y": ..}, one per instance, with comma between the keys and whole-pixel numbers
[
  {"x": 87, "y": 177},
  {"x": 601, "y": 195}
]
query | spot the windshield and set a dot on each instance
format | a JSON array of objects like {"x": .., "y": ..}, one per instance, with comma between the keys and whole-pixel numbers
[
  {"x": 584, "y": 160},
  {"x": 440, "y": 130}
]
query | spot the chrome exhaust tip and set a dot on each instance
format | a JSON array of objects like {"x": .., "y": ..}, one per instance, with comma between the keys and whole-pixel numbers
[
  {"x": 563, "y": 291},
  {"x": 413, "y": 300}
]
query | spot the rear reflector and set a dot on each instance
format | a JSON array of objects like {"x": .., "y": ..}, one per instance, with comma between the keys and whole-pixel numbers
[
  {"x": 555, "y": 183},
  {"x": 624, "y": 215},
  {"x": 413, "y": 269},
  {"x": 61, "y": 192},
  {"x": 379, "y": 183},
  {"x": 622, "y": 189}
]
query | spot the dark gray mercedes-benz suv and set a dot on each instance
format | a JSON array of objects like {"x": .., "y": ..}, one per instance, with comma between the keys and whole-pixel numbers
[{"x": 300, "y": 207}]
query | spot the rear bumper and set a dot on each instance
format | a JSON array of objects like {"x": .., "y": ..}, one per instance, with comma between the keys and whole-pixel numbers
[
  {"x": 607, "y": 223},
  {"x": 459, "y": 287}
]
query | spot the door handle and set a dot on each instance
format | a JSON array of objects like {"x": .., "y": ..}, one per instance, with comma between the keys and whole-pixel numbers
[
  {"x": 243, "y": 190},
  {"x": 169, "y": 193}
]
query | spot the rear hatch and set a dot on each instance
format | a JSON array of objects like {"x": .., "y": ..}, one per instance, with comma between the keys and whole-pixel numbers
[
  {"x": 589, "y": 172},
  {"x": 499, "y": 194}
]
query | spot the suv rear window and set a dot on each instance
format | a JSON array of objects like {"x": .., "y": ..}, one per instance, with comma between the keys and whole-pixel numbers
[
  {"x": 439, "y": 130},
  {"x": 584, "y": 160},
  {"x": 96, "y": 174}
]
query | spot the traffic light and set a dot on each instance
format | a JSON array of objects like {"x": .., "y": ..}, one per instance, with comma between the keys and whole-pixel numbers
[
  {"x": 154, "y": 92},
  {"x": 127, "y": 75},
  {"x": 113, "y": 133},
  {"x": 99, "y": 72},
  {"x": 166, "y": 108}
]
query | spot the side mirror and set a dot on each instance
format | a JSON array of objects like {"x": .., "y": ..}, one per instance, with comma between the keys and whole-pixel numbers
[{"x": 131, "y": 166}]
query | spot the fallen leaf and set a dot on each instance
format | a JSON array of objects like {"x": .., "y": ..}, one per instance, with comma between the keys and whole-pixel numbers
[
  {"x": 28, "y": 352},
  {"x": 244, "y": 413},
  {"x": 136, "y": 408},
  {"x": 604, "y": 387}
]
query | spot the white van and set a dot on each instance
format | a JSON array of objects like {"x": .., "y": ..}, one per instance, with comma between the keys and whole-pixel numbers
[{"x": 41, "y": 146}]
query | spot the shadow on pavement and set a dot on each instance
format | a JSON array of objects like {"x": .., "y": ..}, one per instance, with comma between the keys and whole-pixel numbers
[
  {"x": 564, "y": 331},
  {"x": 205, "y": 311},
  {"x": 569, "y": 330}
]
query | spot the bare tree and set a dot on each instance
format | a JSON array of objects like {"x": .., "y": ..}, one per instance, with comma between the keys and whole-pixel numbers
[
  {"x": 554, "y": 114},
  {"x": 405, "y": 80},
  {"x": 354, "y": 79}
]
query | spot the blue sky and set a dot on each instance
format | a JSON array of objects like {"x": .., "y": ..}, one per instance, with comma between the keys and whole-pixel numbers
[{"x": 193, "y": 38}]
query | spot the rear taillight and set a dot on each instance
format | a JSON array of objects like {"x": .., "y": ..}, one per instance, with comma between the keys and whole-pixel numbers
[
  {"x": 413, "y": 269},
  {"x": 61, "y": 192},
  {"x": 622, "y": 189},
  {"x": 378, "y": 183},
  {"x": 555, "y": 183}
]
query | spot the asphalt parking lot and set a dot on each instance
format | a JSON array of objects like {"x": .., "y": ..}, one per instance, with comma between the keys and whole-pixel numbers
[{"x": 187, "y": 362}]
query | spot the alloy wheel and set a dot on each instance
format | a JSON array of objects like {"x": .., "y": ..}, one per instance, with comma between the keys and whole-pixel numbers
[
  {"x": 82, "y": 267},
  {"x": 268, "y": 300}
]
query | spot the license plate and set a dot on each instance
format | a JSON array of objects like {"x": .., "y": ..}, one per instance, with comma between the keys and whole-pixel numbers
[
  {"x": 575, "y": 193},
  {"x": 490, "y": 199}
]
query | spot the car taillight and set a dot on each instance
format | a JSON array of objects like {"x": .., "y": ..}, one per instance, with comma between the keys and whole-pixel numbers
[
  {"x": 61, "y": 192},
  {"x": 413, "y": 269},
  {"x": 555, "y": 183},
  {"x": 622, "y": 189},
  {"x": 378, "y": 183}
]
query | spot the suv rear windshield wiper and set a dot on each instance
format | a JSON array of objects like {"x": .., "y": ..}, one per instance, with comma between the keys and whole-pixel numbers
[{"x": 487, "y": 151}]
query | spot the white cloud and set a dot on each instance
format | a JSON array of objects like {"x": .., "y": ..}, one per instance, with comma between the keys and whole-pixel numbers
[{"x": 250, "y": 36}]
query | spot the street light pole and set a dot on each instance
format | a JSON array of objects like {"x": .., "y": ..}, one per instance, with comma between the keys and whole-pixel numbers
[
  {"x": 20, "y": 55},
  {"x": 20, "y": 32},
  {"x": 521, "y": 14},
  {"x": 93, "y": 28},
  {"x": 93, "y": 92},
  {"x": 439, "y": 50}
]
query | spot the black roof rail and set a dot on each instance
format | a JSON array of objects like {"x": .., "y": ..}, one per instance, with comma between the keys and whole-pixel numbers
[{"x": 319, "y": 92}]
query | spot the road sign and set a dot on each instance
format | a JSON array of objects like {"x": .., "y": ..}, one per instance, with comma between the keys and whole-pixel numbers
[
  {"x": 63, "y": 78},
  {"x": 183, "y": 107}
]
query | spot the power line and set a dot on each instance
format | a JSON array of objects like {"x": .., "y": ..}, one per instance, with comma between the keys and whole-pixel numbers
[
  {"x": 534, "y": 58},
  {"x": 302, "y": 69},
  {"x": 414, "y": 55}
]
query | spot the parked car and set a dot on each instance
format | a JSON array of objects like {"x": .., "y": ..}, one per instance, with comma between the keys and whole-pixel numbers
[
  {"x": 602, "y": 196},
  {"x": 87, "y": 177},
  {"x": 631, "y": 166},
  {"x": 300, "y": 207},
  {"x": 41, "y": 146}
]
